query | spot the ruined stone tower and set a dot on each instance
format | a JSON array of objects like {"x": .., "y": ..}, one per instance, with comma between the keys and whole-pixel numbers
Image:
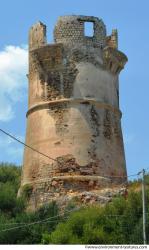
[{"x": 73, "y": 111}]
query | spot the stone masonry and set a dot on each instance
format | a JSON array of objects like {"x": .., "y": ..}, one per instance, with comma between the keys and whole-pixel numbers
[{"x": 73, "y": 113}]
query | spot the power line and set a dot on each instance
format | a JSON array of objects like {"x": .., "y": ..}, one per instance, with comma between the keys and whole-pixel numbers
[
  {"x": 49, "y": 157},
  {"x": 107, "y": 215},
  {"x": 23, "y": 224},
  {"x": 38, "y": 222},
  {"x": 13, "y": 223},
  {"x": 50, "y": 219},
  {"x": 28, "y": 146}
]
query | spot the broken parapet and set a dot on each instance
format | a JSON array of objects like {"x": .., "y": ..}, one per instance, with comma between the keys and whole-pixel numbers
[
  {"x": 112, "y": 40},
  {"x": 73, "y": 114}
]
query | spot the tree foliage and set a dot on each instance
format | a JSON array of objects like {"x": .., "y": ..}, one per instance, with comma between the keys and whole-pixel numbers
[
  {"x": 13, "y": 213},
  {"x": 119, "y": 222}
]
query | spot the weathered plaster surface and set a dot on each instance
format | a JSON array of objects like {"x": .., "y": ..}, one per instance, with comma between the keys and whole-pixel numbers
[{"x": 73, "y": 114}]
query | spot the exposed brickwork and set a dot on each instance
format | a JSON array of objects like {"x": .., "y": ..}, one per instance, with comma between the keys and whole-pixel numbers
[
  {"x": 112, "y": 41},
  {"x": 70, "y": 30},
  {"x": 37, "y": 36},
  {"x": 73, "y": 114}
]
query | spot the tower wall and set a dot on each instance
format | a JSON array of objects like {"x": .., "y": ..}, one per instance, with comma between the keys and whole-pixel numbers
[{"x": 73, "y": 113}]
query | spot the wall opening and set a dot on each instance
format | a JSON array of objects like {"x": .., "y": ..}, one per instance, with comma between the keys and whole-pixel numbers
[{"x": 89, "y": 29}]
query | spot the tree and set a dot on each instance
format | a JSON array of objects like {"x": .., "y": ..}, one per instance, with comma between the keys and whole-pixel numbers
[{"x": 119, "y": 222}]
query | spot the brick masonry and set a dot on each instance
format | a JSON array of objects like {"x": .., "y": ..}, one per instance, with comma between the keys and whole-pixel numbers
[{"x": 73, "y": 114}]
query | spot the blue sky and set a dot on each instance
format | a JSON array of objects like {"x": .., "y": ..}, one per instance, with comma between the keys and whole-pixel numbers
[{"x": 131, "y": 18}]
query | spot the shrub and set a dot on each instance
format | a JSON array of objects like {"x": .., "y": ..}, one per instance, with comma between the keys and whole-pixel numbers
[
  {"x": 119, "y": 222},
  {"x": 10, "y": 173},
  {"x": 7, "y": 197}
]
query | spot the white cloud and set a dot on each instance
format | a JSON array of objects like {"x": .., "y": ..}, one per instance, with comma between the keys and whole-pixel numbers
[{"x": 13, "y": 82}]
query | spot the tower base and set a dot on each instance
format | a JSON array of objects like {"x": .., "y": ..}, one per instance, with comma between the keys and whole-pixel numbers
[{"x": 74, "y": 189}]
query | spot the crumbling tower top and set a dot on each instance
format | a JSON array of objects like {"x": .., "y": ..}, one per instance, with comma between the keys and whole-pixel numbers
[
  {"x": 37, "y": 36},
  {"x": 71, "y": 30},
  {"x": 73, "y": 112}
]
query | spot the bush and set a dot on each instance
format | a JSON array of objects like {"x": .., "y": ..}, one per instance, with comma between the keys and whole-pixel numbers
[
  {"x": 7, "y": 197},
  {"x": 119, "y": 222},
  {"x": 10, "y": 173},
  {"x": 9, "y": 184},
  {"x": 50, "y": 209}
]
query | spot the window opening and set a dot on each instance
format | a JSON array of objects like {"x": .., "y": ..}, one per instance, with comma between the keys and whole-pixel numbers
[{"x": 89, "y": 29}]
